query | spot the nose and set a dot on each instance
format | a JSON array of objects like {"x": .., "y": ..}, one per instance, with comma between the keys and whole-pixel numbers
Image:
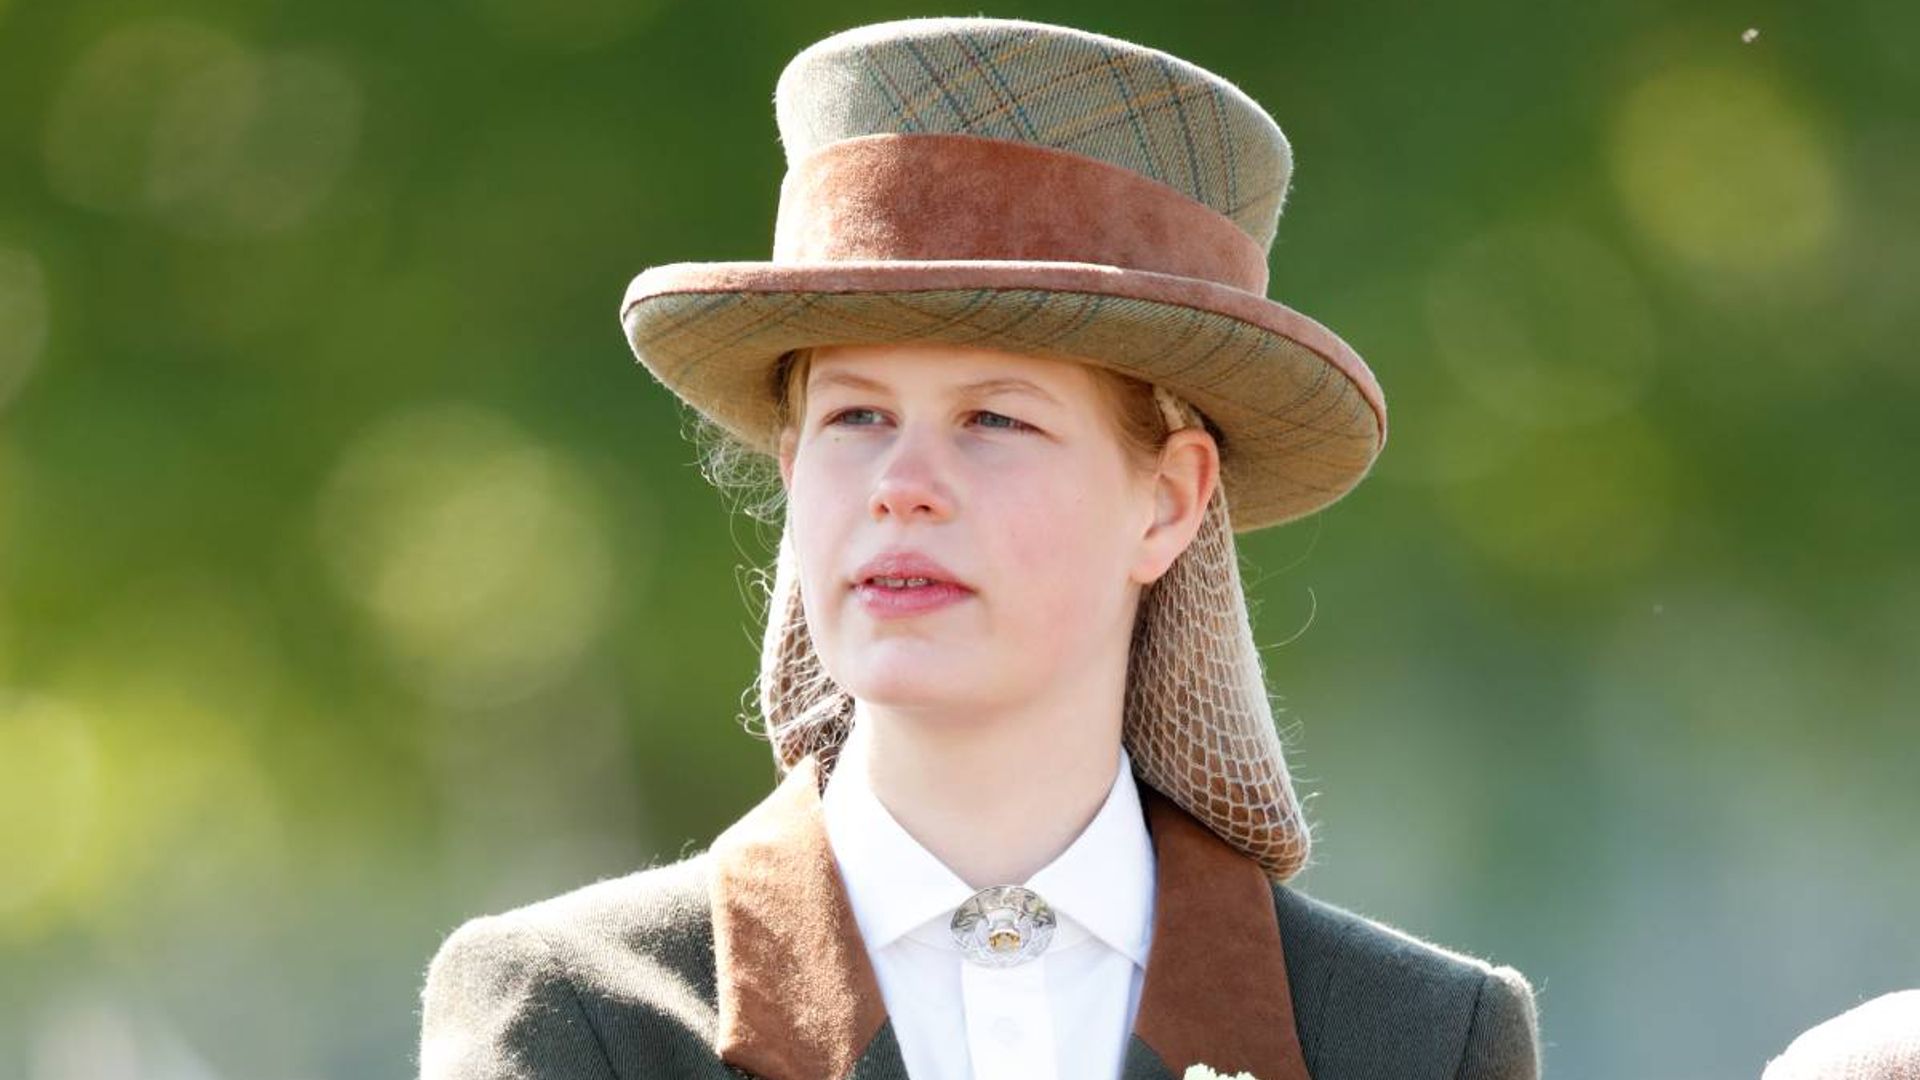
[{"x": 911, "y": 484}]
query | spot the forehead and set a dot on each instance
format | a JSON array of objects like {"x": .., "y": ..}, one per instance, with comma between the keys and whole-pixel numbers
[{"x": 934, "y": 365}]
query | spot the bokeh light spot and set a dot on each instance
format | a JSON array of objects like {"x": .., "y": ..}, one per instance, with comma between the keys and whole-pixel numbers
[
  {"x": 49, "y": 779},
  {"x": 180, "y": 120},
  {"x": 254, "y": 144},
  {"x": 1720, "y": 167},
  {"x": 100, "y": 128},
  {"x": 1577, "y": 505},
  {"x": 170, "y": 681},
  {"x": 475, "y": 551},
  {"x": 23, "y": 319},
  {"x": 1543, "y": 323}
]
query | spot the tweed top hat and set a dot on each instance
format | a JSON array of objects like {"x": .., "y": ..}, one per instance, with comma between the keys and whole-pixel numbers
[
  {"x": 1045, "y": 190},
  {"x": 1038, "y": 189}
]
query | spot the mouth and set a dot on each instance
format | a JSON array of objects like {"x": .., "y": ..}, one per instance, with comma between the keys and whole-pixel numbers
[
  {"x": 903, "y": 572},
  {"x": 886, "y": 597},
  {"x": 884, "y": 582}
]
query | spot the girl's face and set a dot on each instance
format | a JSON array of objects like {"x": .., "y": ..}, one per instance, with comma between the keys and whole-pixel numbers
[{"x": 1004, "y": 470}]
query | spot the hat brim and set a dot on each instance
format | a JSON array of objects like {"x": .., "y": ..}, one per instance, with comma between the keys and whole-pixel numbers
[{"x": 1301, "y": 417}]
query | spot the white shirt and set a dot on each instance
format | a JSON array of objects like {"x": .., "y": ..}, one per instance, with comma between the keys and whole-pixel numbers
[{"x": 1065, "y": 1015}]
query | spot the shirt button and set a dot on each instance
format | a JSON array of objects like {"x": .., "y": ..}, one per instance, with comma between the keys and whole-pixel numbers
[{"x": 1007, "y": 1029}]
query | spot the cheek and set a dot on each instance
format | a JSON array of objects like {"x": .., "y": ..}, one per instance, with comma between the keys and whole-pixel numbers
[
  {"x": 1059, "y": 538},
  {"x": 819, "y": 518}
]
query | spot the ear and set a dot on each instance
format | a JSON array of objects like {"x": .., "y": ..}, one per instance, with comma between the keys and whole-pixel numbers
[
  {"x": 785, "y": 455},
  {"x": 1182, "y": 487}
]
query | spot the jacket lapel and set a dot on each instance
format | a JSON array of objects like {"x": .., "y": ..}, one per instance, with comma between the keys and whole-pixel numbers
[
  {"x": 1216, "y": 990},
  {"x": 798, "y": 998}
]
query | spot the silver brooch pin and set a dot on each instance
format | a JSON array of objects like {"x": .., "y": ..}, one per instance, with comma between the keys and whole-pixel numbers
[{"x": 1003, "y": 925}]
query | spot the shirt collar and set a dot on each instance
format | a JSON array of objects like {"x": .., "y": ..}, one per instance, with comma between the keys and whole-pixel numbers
[{"x": 1101, "y": 886}]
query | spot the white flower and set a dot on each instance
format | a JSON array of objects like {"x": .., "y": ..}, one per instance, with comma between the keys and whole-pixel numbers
[{"x": 1201, "y": 1072}]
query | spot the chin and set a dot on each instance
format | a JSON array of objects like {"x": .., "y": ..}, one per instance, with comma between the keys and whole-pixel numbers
[
  {"x": 930, "y": 680},
  {"x": 908, "y": 690}
]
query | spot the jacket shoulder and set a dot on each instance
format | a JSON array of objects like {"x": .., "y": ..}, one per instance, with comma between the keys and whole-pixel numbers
[
  {"x": 1373, "y": 1000},
  {"x": 648, "y": 911},
  {"x": 535, "y": 991}
]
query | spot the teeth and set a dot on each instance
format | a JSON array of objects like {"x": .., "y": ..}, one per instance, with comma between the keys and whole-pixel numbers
[{"x": 901, "y": 583}]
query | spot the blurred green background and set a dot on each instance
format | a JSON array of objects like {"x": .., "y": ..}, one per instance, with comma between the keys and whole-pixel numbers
[{"x": 354, "y": 580}]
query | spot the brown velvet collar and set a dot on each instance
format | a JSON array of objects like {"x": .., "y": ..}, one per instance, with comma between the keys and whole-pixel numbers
[{"x": 798, "y": 998}]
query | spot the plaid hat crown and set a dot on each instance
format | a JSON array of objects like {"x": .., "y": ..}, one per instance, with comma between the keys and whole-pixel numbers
[{"x": 1130, "y": 106}]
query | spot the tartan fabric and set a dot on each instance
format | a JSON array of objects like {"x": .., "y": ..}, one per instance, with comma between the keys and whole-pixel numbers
[{"x": 1122, "y": 103}]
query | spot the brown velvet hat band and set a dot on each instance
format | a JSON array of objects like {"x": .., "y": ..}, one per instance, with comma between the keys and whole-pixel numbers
[{"x": 931, "y": 196}]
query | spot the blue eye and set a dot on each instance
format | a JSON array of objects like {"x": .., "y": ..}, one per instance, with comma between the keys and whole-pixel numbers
[
  {"x": 1011, "y": 423},
  {"x": 841, "y": 416},
  {"x": 845, "y": 417}
]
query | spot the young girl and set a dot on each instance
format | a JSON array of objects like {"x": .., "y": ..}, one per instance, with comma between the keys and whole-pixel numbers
[{"x": 1014, "y": 360}]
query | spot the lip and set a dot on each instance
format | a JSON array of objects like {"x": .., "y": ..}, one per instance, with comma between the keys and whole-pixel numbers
[
  {"x": 882, "y": 602},
  {"x": 906, "y": 564}
]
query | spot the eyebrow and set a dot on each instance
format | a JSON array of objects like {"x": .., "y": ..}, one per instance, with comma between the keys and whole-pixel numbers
[{"x": 1007, "y": 384}]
